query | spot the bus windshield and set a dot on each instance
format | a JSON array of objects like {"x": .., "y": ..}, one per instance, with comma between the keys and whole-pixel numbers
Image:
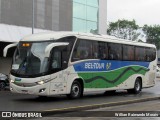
[{"x": 29, "y": 58}]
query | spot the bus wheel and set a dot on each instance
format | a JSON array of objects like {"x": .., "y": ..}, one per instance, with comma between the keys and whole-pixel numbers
[
  {"x": 137, "y": 87},
  {"x": 76, "y": 90}
]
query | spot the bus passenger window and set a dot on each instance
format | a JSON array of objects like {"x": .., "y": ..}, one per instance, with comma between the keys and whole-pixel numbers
[
  {"x": 82, "y": 50},
  {"x": 115, "y": 51},
  {"x": 95, "y": 50},
  {"x": 150, "y": 54},
  {"x": 128, "y": 52},
  {"x": 140, "y": 54},
  {"x": 83, "y": 54},
  {"x": 103, "y": 50}
]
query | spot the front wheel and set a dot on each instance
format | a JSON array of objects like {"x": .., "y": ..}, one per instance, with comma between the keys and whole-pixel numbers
[
  {"x": 76, "y": 90},
  {"x": 137, "y": 87}
]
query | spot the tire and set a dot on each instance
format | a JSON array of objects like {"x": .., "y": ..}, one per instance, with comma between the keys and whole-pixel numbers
[
  {"x": 137, "y": 87},
  {"x": 76, "y": 90},
  {"x": 2, "y": 85}
]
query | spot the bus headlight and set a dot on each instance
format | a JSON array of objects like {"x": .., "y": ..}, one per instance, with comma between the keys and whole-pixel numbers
[
  {"x": 12, "y": 81},
  {"x": 41, "y": 82}
]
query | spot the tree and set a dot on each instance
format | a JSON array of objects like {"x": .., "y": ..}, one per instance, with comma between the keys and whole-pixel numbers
[
  {"x": 152, "y": 34},
  {"x": 124, "y": 29}
]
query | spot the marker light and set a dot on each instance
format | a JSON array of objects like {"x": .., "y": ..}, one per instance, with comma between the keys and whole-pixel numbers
[{"x": 25, "y": 44}]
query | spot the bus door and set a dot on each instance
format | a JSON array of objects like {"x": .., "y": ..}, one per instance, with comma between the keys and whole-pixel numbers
[{"x": 57, "y": 66}]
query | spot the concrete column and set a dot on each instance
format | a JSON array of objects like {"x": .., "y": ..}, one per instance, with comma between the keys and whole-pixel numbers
[
  {"x": 5, "y": 65},
  {"x": 102, "y": 27}
]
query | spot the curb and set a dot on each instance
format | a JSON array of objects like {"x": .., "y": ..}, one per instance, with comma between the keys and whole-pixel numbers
[{"x": 95, "y": 106}]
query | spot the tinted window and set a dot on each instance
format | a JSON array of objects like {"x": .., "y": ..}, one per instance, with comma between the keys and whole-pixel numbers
[
  {"x": 95, "y": 49},
  {"x": 128, "y": 52},
  {"x": 115, "y": 51},
  {"x": 150, "y": 54},
  {"x": 82, "y": 50},
  {"x": 140, "y": 54},
  {"x": 86, "y": 49},
  {"x": 67, "y": 49},
  {"x": 103, "y": 50}
]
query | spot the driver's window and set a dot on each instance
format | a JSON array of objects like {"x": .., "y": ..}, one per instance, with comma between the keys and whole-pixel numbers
[{"x": 56, "y": 59}]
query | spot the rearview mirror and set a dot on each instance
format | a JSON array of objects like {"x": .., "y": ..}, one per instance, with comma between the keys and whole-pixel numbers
[{"x": 5, "y": 50}]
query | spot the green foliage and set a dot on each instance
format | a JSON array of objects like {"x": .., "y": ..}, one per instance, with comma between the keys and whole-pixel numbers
[
  {"x": 124, "y": 29},
  {"x": 152, "y": 34}
]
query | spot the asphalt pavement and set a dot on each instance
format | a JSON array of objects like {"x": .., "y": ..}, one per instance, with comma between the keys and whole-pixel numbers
[{"x": 20, "y": 102}]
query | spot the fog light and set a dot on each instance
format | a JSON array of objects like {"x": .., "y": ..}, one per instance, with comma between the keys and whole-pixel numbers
[{"x": 42, "y": 90}]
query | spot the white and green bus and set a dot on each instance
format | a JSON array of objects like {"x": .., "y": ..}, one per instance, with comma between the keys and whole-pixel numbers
[{"x": 75, "y": 63}]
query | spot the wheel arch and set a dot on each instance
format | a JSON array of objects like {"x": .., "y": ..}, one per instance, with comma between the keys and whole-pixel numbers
[
  {"x": 70, "y": 95},
  {"x": 80, "y": 80}
]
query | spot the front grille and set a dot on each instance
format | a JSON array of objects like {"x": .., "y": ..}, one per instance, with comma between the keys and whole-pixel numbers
[{"x": 25, "y": 84}]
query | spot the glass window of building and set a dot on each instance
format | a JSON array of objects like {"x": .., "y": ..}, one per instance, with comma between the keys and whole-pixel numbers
[
  {"x": 91, "y": 26},
  {"x": 92, "y": 3},
  {"x": 80, "y": 1},
  {"x": 92, "y": 13},
  {"x": 79, "y": 25},
  {"x": 85, "y": 15},
  {"x": 79, "y": 11}
]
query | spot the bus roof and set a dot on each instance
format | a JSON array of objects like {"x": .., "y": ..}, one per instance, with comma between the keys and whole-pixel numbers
[{"x": 57, "y": 35}]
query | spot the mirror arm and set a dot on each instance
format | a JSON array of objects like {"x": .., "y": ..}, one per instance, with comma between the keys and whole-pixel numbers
[
  {"x": 5, "y": 50},
  {"x": 52, "y": 45}
]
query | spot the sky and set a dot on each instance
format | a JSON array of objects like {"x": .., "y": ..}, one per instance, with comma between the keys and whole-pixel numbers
[{"x": 142, "y": 11}]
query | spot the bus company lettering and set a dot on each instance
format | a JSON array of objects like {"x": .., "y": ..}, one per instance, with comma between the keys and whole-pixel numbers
[{"x": 94, "y": 66}]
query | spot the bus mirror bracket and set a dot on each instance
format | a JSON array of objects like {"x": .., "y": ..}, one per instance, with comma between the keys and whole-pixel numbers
[
  {"x": 5, "y": 50},
  {"x": 52, "y": 45}
]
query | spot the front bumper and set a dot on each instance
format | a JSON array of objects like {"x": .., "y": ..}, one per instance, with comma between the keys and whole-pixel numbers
[{"x": 42, "y": 90}]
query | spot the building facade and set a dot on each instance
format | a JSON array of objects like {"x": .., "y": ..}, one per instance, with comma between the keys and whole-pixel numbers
[
  {"x": 85, "y": 15},
  {"x": 56, "y": 15}
]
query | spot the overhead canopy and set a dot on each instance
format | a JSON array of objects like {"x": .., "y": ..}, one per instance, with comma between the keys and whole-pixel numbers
[{"x": 12, "y": 33}]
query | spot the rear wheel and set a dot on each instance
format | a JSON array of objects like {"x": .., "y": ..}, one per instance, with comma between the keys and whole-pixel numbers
[
  {"x": 76, "y": 90},
  {"x": 137, "y": 87},
  {"x": 2, "y": 85}
]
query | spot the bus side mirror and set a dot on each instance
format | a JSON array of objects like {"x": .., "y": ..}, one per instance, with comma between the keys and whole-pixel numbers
[
  {"x": 52, "y": 45},
  {"x": 5, "y": 50}
]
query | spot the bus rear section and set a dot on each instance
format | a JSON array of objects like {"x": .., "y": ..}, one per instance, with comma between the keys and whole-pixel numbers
[{"x": 112, "y": 65}]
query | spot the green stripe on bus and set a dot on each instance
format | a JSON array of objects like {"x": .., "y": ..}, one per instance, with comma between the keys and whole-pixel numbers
[{"x": 111, "y": 78}]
